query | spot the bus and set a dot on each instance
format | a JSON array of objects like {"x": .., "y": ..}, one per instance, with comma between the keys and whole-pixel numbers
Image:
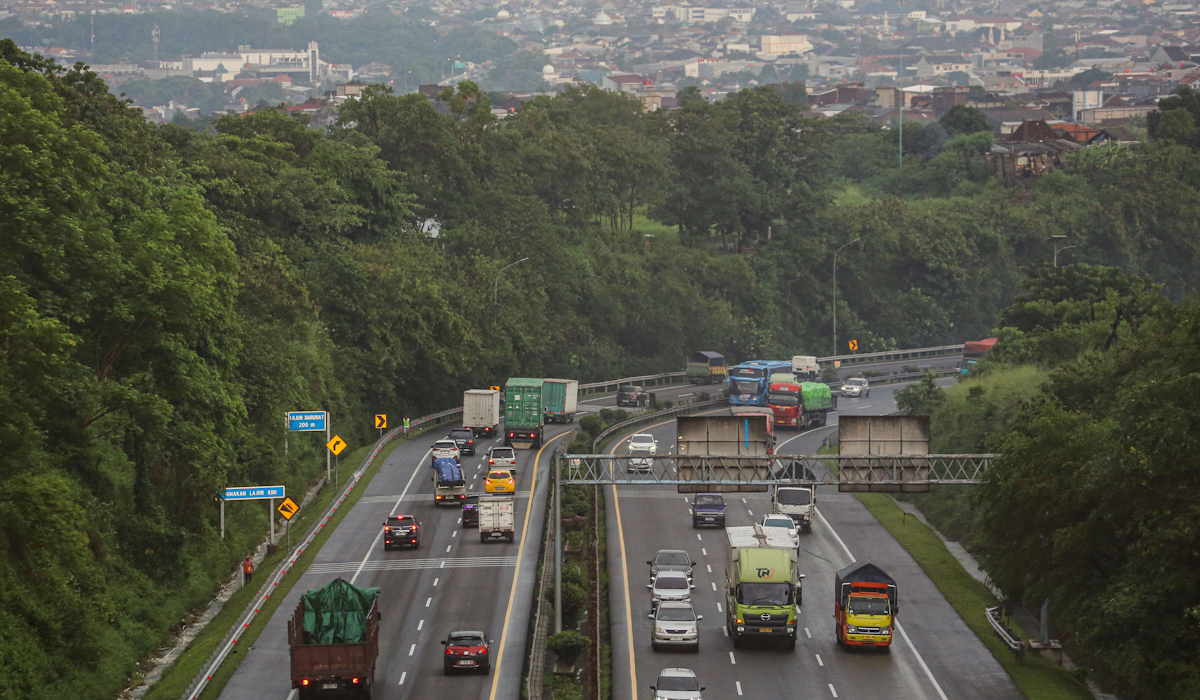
[
  {"x": 973, "y": 352},
  {"x": 748, "y": 381}
]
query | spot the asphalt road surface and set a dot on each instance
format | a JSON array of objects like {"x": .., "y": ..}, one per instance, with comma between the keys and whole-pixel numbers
[
  {"x": 934, "y": 657},
  {"x": 452, "y": 582}
]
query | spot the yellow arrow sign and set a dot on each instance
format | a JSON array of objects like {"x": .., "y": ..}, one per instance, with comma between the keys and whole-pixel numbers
[
  {"x": 288, "y": 508},
  {"x": 336, "y": 445},
  {"x": 854, "y": 345},
  {"x": 495, "y": 388},
  {"x": 381, "y": 420}
]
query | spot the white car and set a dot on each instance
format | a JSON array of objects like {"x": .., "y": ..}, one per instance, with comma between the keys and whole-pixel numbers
[
  {"x": 675, "y": 624},
  {"x": 783, "y": 522},
  {"x": 677, "y": 684},
  {"x": 856, "y": 387},
  {"x": 501, "y": 457},
  {"x": 672, "y": 586},
  {"x": 445, "y": 448},
  {"x": 644, "y": 442}
]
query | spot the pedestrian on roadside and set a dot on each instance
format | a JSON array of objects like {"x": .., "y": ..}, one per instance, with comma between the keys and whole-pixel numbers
[{"x": 247, "y": 571}]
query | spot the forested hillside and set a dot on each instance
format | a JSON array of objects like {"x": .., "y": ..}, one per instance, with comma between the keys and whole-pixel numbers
[
  {"x": 1092, "y": 399},
  {"x": 165, "y": 295}
]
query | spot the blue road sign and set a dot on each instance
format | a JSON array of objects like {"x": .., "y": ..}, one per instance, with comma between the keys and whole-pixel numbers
[
  {"x": 306, "y": 420},
  {"x": 252, "y": 493}
]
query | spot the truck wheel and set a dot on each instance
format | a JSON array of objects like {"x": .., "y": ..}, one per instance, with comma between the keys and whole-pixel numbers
[
  {"x": 482, "y": 537},
  {"x": 512, "y": 536}
]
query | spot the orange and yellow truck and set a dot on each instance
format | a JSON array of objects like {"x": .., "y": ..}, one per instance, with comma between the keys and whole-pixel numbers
[{"x": 865, "y": 605}]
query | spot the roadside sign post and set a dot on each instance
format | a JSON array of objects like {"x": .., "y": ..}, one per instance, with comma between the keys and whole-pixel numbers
[
  {"x": 250, "y": 493},
  {"x": 288, "y": 510},
  {"x": 310, "y": 422},
  {"x": 381, "y": 422},
  {"x": 336, "y": 445},
  {"x": 853, "y": 346}
]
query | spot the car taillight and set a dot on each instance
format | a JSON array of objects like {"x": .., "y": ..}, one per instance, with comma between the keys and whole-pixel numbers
[
  {"x": 449, "y": 651},
  {"x": 304, "y": 682},
  {"x": 512, "y": 434},
  {"x": 470, "y": 442},
  {"x": 415, "y": 527},
  {"x": 354, "y": 681},
  {"x": 491, "y": 461}
]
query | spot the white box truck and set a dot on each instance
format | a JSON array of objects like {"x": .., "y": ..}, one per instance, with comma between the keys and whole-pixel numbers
[
  {"x": 481, "y": 411},
  {"x": 805, "y": 368},
  {"x": 496, "y": 518}
]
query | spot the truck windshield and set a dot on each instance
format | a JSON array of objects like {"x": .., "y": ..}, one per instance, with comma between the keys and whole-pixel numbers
[
  {"x": 776, "y": 398},
  {"x": 753, "y": 372},
  {"x": 793, "y": 497},
  {"x": 765, "y": 594},
  {"x": 868, "y": 606}
]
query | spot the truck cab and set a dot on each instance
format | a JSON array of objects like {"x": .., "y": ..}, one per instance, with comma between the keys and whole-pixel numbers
[
  {"x": 798, "y": 503},
  {"x": 783, "y": 398},
  {"x": 449, "y": 485},
  {"x": 763, "y": 585}
]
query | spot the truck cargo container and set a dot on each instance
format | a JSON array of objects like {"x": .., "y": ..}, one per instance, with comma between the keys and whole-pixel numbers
[
  {"x": 481, "y": 411},
  {"x": 559, "y": 397},
  {"x": 865, "y": 605},
  {"x": 524, "y": 413},
  {"x": 706, "y": 367},
  {"x": 333, "y": 640},
  {"x": 497, "y": 518},
  {"x": 763, "y": 585},
  {"x": 973, "y": 352},
  {"x": 699, "y": 437}
]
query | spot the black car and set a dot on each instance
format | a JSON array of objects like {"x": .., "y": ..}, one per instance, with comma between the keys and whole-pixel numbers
[
  {"x": 630, "y": 395},
  {"x": 401, "y": 531},
  {"x": 471, "y": 511},
  {"x": 465, "y": 439},
  {"x": 467, "y": 651}
]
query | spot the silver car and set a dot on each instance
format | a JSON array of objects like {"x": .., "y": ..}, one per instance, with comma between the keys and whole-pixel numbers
[
  {"x": 501, "y": 457},
  {"x": 856, "y": 387},
  {"x": 671, "y": 560},
  {"x": 783, "y": 523},
  {"x": 675, "y": 624},
  {"x": 677, "y": 684},
  {"x": 640, "y": 461},
  {"x": 670, "y": 586}
]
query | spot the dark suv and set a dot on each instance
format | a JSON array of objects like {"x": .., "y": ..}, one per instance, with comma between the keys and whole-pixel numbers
[
  {"x": 471, "y": 510},
  {"x": 630, "y": 395},
  {"x": 465, "y": 439},
  {"x": 401, "y": 531}
]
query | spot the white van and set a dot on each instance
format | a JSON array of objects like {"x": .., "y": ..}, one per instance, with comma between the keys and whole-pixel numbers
[{"x": 805, "y": 368}]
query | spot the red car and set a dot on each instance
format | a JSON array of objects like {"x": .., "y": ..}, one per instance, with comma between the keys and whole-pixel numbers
[{"x": 467, "y": 651}]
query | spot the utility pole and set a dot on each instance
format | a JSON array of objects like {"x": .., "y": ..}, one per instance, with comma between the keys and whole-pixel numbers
[
  {"x": 1058, "y": 249},
  {"x": 496, "y": 286},
  {"x": 835, "y": 254},
  {"x": 901, "y": 91}
]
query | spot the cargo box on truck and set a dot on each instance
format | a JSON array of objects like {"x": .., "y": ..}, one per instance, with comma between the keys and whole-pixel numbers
[
  {"x": 333, "y": 640},
  {"x": 559, "y": 397},
  {"x": 524, "y": 413},
  {"x": 449, "y": 486},
  {"x": 706, "y": 367},
  {"x": 763, "y": 585},
  {"x": 481, "y": 411},
  {"x": 497, "y": 518},
  {"x": 805, "y": 367}
]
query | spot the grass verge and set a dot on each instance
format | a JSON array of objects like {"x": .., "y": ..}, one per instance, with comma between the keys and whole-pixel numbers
[
  {"x": 175, "y": 679},
  {"x": 1038, "y": 678}
]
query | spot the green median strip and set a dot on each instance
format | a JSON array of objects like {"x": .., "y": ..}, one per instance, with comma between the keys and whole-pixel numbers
[
  {"x": 176, "y": 678},
  {"x": 1038, "y": 678}
]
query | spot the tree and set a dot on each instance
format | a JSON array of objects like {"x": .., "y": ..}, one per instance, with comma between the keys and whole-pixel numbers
[
  {"x": 959, "y": 77},
  {"x": 962, "y": 119},
  {"x": 1079, "y": 81},
  {"x": 1168, "y": 123}
]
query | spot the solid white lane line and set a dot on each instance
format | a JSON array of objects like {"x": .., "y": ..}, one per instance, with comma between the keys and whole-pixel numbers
[
  {"x": 920, "y": 659},
  {"x": 731, "y": 659},
  {"x": 412, "y": 649},
  {"x": 395, "y": 508},
  {"x": 819, "y": 661},
  {"x": 420, "y": 625},
  {"x": 402, "y": 677}
]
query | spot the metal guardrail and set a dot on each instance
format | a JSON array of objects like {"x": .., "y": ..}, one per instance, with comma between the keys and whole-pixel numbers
[
  {"x": 645, "y": 380},
  {"x": 678, "y": 410},
  {"x": 893, "y": 355},
  {"x": 1004, "y": 633}
]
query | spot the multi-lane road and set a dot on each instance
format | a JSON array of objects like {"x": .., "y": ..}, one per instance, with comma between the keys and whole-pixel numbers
[
  {"x": 934, "y": 657},
  {"x": 452, "y": 582}
]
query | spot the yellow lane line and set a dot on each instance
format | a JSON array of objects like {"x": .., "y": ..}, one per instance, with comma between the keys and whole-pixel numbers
[{"x": 512, "y": 594}]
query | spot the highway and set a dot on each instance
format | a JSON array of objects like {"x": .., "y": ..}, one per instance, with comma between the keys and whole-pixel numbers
[
  {"x": 452, "y": 582},
  {"x": 936, "y": 657}
]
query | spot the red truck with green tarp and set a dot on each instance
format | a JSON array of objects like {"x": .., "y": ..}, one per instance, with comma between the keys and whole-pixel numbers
[
  {"x": 798, "y": 405},
  {"x": 333, "y": 639}
]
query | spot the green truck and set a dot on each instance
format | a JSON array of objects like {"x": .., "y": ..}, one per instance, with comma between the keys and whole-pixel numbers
[
  {"x": 763, "y": 585},
  {"x": 524, "y": 413},
  {"x": 560, "y": 399},
  {"x": 706, "y": 367}
]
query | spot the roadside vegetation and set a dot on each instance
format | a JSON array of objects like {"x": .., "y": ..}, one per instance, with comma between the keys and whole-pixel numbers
[{"x": 167, "y": 294}]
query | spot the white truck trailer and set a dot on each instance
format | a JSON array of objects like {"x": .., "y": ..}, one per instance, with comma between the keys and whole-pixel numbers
[{"x": 481, "y": 411}]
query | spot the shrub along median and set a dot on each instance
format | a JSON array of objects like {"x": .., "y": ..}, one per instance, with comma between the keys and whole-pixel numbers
[
  {"x": 175, "y": 679},
  {"x": 1038, "y": 678}
]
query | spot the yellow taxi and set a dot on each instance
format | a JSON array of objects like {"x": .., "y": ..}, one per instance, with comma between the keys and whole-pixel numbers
[{"x": 500, "y": 481}]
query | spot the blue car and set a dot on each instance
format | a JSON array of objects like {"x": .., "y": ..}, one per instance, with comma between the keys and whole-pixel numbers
[{"x": 708, "y": 509}]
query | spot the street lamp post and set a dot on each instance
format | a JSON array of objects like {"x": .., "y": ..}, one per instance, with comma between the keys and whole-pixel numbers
[
  {"x": 835, "y": 254},
  {"x": 1058, "y": 249},
  {"x": 496, "y": 286}
]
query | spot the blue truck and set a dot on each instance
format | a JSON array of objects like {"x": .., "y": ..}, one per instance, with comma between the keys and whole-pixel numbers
[
  {"x": 708, "y": 509},
  {"x": 749, "y": 381},
  {"x": 448, "y": 483}
]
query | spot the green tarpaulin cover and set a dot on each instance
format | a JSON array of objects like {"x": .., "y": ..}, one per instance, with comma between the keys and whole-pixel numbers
[
  {"x": 816, "y": 396},
  {"x": 337, "y": 613}
]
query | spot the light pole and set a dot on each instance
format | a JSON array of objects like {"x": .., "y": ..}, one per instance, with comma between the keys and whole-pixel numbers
[
  {"x": 835, "y": 254},
  {"x": 1057, "y": 249},
  {"x": 496, "y": 286}
]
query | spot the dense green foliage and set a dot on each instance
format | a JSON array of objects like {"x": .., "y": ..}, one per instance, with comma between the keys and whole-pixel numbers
[
  {"x": 166, "y": 295},
  {"x": 1093, "y": 501}
]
